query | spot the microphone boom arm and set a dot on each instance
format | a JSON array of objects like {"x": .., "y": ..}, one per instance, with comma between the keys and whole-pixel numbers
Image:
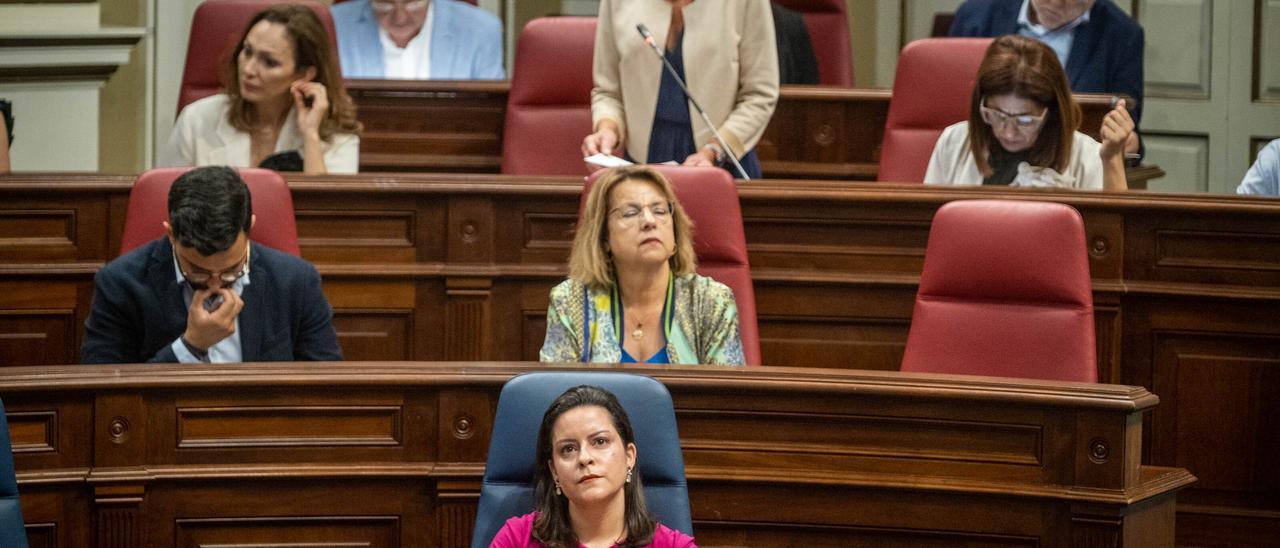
[{"x": 648, "y": 39}]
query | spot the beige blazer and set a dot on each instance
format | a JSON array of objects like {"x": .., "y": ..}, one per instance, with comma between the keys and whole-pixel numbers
[
  {"x": 203, "y": 136},
  {"x": 731, "y": 67}
]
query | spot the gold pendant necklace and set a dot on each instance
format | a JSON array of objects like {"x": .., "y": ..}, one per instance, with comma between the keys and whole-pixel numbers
[{"x": 638, "y": 333}]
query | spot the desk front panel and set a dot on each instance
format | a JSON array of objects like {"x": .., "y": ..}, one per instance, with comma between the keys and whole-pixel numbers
[
  {"x": 378, "y": 454},
  {"x": 459, "y": 267}
]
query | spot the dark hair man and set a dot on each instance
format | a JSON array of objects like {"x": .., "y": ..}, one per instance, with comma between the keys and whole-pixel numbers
[{"x": 204, "y": 292}]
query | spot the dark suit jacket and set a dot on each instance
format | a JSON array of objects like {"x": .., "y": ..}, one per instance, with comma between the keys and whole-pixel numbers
[
  {"x": 138, "y": 310},
  {"x": 797, "y": 63},
  {"x": 1106, "y": 53}
]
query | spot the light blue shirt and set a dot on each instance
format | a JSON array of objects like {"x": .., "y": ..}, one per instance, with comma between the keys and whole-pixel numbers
[
  {"x": 1263, "y": 178},
  {"x": 227, "y": 350},
  {"x": 1059, "y": 39}
]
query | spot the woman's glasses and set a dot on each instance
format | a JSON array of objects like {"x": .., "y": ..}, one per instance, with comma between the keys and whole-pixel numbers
[
  {"x": 631, "y": 214},
  {"x": 1024, "y": 123},
  {"x": 388, "y": 6}
]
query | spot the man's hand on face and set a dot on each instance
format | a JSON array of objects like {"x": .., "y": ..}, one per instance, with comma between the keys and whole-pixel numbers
[{"x": 205, "y": 327}]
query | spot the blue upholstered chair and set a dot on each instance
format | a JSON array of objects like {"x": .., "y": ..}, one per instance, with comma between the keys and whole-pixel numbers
[
  {"x": 507, "y": 490},
  {"x": 12, "y": 532}
]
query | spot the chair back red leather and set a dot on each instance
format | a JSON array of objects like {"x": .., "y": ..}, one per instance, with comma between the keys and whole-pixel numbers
[
  {"x": 1005, "y": 292},
  {"x": 710, "y": 198},
  {"x": 829, "y": 33},
  {"x": 931, "y": 90},
  {"x": 275, "y": 226},
  {"x": 215, "y": 30},
  {"x": 549, "y": 108}
]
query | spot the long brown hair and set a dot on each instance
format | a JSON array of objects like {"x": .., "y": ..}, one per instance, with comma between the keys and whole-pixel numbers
[
  {"x": 1029, "y": 69},
  {"x": 589, "y": 260},
  {"x": 311, "y": 48},
  {"x": 552, "y": 527}
]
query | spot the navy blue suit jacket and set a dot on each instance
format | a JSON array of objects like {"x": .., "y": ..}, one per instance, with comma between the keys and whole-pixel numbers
[
  {"x": 1106, "y": 53},
  {"x": 138, "y": 310}
]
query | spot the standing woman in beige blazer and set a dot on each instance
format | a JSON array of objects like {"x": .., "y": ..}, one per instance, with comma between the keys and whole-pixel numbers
[{"x": 727, "y": 54}]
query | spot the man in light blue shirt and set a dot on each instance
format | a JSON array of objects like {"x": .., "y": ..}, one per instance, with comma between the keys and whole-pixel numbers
[
  {"x": 1263, "y": 178},
  {"x": 418, "y": 39}
]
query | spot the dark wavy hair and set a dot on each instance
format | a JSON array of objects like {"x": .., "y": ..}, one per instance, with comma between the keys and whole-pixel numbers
[
  {"x": 208, "y": 209},
  {"x": 1029, "y": 69},
  {"x": 552, "y": 527},
  {"x": 311, "y": 48}
]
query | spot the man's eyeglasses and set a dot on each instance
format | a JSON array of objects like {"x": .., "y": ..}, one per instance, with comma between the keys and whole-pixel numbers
[
  {"x": 631, "y": 214},
  {"x": 200, "y": 280},
  {"x": 1024, "y": 123},
  {"x": 386, "y": 6}
]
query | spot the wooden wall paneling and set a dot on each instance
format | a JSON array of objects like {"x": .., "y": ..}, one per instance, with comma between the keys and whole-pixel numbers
[
  {"x": 416, "y": 126},
  {"x": 375, "y": 319},
  {"x": 825, "y": 133},
  {"x": 273, "y": 454},
  {"x": 833, "y": 323}
]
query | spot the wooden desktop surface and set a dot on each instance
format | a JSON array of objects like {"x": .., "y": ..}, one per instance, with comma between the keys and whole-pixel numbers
[
  {"x": 392, "y": 454},
  {"x": 434, "y": 267}
]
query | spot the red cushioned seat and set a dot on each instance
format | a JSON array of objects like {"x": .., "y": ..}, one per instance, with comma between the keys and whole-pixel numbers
[
  {"x": 272, "y": 204},
  {"x": 931, "y": 90},
  {"x": 549, "y": 108},
  {"x": 1005, "y": 292},
  {"x": 710, "y": 198},
  {"x": 215, "y": 30},
  {"x": 828, "y": 27}
]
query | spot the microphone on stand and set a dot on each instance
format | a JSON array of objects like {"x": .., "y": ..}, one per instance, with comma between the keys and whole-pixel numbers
[{"x": 648, "y": 39}]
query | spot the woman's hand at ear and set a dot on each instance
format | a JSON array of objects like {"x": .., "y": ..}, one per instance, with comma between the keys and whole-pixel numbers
[{"x": 311, "y": 105}]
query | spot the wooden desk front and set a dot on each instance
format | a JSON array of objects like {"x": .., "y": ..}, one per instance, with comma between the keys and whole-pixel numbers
[
  {"x": 391, "y": 454},
  {"x": 817, "y": 132},
  {"x": 459, "y": 267}
]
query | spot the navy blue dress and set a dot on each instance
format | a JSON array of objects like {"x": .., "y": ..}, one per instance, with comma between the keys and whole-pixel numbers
[{"x": 672, "y": 135}]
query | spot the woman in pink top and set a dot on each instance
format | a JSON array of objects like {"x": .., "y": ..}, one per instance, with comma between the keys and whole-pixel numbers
[{"x": 589, "y": 494}]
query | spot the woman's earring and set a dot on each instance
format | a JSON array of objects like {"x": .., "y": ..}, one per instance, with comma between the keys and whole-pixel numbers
[
  {"x": 628, "y": 475},
  {"x": 558, "y": 485}
]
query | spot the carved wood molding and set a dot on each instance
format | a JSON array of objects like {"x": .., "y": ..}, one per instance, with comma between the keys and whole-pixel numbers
[{"x": 93, "y": 56}]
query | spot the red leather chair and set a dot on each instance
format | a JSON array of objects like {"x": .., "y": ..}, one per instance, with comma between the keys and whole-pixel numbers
[
  {"x": 829, "y": 33},
  {"x": 272, "y": 203},
  {"x": 215, "y": 30},
  {"x": 710, "y": 198},
  {"x": 549, "y": 108},
  {"x": 931, "y": 90},
  {"x": 1005, "y": 292}
]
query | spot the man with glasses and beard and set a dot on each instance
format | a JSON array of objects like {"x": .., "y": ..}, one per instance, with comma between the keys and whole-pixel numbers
[{"x": 204, "y": 293}]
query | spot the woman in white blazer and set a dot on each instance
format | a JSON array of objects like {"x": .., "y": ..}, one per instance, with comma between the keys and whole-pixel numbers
[
  {"x": 283, "y": 105},
  {"x": 728, "y": 49}
]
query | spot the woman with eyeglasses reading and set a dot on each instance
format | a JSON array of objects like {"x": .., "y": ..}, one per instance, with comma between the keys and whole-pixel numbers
[
  {"x": 632, "y": 293},
  {"x": 1022, "y": 128}
]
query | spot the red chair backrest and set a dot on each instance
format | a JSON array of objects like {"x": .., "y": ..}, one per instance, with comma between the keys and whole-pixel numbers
[
  {"x": 829, "y": 33},
  {"x": 215, "y": 31},
  {"x": 272, "y": 204},
  {"x": 549, "y": 109},
  {"x": 1005, "y": 292},
  {"x": 710, "y": 198},
  {"x": 931, "y": 90}
]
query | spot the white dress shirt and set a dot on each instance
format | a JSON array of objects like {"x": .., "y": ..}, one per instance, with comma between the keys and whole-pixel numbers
[
  {"x": 413, "y": 61},
  {"x": 227, "y": 350}
]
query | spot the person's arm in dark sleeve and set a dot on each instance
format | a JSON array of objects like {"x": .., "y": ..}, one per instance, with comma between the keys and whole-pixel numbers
[
  {"x": 112, "y": 333},
  {"x": 316, "y": 339}
]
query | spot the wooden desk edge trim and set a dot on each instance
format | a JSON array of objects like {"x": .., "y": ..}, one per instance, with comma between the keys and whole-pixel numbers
[{"x": 1104, "y": 397}]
